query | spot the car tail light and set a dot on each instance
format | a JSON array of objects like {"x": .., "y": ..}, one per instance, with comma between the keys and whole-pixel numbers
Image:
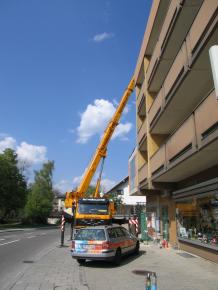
[
  {"x": 73, "y": 245},
  {"x": 105, "y": 245}
]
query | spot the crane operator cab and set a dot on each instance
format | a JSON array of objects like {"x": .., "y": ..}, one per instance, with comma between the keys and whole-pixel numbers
[{"x": 93, "y": 211}]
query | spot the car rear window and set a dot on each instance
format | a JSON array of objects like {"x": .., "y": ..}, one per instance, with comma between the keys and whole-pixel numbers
[{"x": 90, "y": 234}]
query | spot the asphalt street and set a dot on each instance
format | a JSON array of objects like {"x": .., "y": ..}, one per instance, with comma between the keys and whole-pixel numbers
[
  {"x": 34, "y": 260},
  {"x": 22, "y": 247}
]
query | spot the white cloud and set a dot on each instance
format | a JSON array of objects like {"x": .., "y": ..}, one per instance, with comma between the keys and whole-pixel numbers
[
  {"x": 122, "y": 130},
  {"x": 102, "y": 36},
  {"x": 107, "y": 184},
  {"x": 77, "y": 180},
  {"x": 95, "y": 119},
  {"x": 63, "y": 186},
  {"x": 69, "y": 185},
  {"x": 7, "y": 142},
  {"x": 126, "y": 108},
  {"x": 31, "y": 154}
]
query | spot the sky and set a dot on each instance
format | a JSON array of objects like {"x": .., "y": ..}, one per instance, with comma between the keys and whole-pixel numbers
[{"x": 64, "y": 66}]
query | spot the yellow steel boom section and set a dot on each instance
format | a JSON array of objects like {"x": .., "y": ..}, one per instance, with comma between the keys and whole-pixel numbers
[{"x": 102, "y": 148}]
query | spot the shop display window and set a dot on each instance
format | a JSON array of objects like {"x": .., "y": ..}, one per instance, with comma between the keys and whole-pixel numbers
[{"x": 197, "y": 219}]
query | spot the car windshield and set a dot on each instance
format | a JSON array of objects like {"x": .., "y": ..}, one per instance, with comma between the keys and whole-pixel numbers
[
  {"x": 90, "y": 234},
  {"x": 93, "y": 208}
]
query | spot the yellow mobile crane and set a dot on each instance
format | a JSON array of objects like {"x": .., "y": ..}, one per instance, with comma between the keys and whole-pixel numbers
[{"x": 96, "y": 210}]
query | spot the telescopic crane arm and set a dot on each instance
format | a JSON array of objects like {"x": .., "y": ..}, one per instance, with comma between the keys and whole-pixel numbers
[{"x": 101, "y": 150}]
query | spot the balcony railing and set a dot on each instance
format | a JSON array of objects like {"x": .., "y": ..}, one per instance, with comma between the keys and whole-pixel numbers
[
  {"x": 206, "y": 120},
  {"x": 158, "y": 161},
  {"x": 155, "y": 108},
  {"x": 143, "y": 173},
  {"x": 142, "y": 133},
  {"x": 182, "y": 141}
]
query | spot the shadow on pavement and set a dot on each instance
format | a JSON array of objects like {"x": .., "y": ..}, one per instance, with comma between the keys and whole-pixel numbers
[{"x": 106, "y": 264}]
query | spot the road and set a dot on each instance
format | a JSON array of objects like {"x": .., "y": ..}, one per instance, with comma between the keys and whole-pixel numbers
[
  {"x": 34, "y": 260},
  {"x": 22, "y": 247}
]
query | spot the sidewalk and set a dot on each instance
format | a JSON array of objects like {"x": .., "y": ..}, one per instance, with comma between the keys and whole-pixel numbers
[{"x": 176, "y": 270}]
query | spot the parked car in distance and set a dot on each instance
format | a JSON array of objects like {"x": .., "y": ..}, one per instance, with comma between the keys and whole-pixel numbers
[{"x": 103, "y": 243}]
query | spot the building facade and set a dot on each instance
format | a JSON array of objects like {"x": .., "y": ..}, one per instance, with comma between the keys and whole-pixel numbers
[{"x": 177, "y": 124}]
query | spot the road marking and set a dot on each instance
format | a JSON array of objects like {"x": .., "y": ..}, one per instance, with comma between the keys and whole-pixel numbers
[
  {"x": 9, "y": 242},
  {"x": 30, "y": 237}
]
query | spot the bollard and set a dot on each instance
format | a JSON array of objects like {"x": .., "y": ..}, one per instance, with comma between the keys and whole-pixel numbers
[
  {"x": 153, "y": 281},
  {"x": 62, "y": 230},
  {"x": 148, "y": 282}
]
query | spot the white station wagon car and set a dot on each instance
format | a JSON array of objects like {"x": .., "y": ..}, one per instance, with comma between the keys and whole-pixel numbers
[{"x": 103, "y": 243}]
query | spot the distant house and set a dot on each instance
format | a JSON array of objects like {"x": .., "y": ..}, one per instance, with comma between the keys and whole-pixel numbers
[
  {"x": 121, "y": 191},
  {"x": 58, "y": 205}
]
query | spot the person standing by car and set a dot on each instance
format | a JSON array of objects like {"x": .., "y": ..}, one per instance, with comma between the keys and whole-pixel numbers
[{"x": 73, "y": 218}]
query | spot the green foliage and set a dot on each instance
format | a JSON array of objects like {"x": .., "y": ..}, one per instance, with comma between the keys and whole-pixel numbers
[
  {"x": 90, "y": 191},
  {"x": 115, "y": 198},
  {"x": 13, "y": 187},
  {"x": 40, "y": 197}
]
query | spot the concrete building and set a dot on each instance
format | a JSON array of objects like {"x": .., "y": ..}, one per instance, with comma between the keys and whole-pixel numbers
[{"x": 177, "y": 124}]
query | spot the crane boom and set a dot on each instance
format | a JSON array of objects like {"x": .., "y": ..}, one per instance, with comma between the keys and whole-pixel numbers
[
  {"x": 95, "y": 210},
  {"x": 102, "y": 148}
]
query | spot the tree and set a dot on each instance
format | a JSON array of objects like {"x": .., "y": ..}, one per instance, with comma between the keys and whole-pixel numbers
[
  {"x": 40, "y": 197},
  {"x": 13, "y": 187},
  {"x": 90, "y": 191}
]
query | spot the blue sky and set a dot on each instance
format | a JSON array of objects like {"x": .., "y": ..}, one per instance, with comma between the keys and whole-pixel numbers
[{"x": 64, "y": 65}]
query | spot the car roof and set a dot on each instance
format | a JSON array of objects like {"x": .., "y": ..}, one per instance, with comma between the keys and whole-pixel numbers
[{"x": 102, "y": 227}]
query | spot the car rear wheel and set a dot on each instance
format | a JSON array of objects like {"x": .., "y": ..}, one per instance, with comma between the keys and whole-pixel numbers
[
  {"x": 117, "y": 257},
  {"x": 81, "y": 261}
]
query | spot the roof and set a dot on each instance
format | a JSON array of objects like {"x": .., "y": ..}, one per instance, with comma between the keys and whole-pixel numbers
[{"x": 118, "y": 184}]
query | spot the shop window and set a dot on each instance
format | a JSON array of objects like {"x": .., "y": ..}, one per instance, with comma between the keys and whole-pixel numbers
[{"x": 197, "y": 219}]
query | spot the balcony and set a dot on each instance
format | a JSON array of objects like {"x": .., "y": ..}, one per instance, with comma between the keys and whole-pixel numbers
[
  {"x": 143, "y": 174},
  {"x": 182, "y": 143},
  {"x": 193, "y": 147},
  {"x": 155, "y": 109},
  {"x": 157, "y": 15},
  {"x": 160, "y": 10},
  {"x": 192, "y": 85},
  {"x": 158, "y": 161},
  {"x": 178, "y": 21},
  {"x": 170, "y": 115},
  {"x": 203, "y": 25},
  {"x": 206, "y": 120},
  {"x": 141, "y": 102},
  {"x": 142, "y": 136}
]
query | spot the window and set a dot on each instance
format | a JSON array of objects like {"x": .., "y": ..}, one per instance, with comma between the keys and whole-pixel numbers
[
  {"x": 112, "y": 233},
  {"x": 93, "y": 208},
  {"x": 90, "y": 234},
  {"x": 197, "y": 219},
  {"x": 119, "y": 232},
  {"x": 125, "y": 232}
]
